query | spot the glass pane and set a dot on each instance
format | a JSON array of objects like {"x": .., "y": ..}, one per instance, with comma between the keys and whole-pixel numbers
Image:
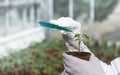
[{"x": 2, "y": 20}]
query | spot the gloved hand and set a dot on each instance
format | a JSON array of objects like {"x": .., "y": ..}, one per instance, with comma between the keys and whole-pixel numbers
[
  {"x": 76, "y": 66},
  {"x": 68, "y": 37}
]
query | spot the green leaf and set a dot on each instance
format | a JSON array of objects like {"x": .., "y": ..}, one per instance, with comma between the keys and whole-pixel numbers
[
  {"x": 77, "y": 35},
  {"x": 85, "y": 36},
  {"x": 86, "y": 41},
  {"x": 77, "y": 39}
]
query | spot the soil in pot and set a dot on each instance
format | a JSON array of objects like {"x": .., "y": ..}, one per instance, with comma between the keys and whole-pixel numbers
[{"x": 81, "y": 55}]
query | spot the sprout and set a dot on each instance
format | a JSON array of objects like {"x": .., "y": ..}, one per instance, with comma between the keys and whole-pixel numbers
[{"x": 81, "y": 37}]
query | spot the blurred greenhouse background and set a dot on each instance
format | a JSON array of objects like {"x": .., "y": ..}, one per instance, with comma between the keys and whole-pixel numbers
[{"x": 35, "y": 50}]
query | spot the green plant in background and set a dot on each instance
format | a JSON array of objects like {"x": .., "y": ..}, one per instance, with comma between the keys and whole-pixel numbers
[
  {"x": 104, "y": 51},
  {"x": 40, "y": 58},
  {"x": 45, "y": 58},
  {"x": 81, "y": 37}
]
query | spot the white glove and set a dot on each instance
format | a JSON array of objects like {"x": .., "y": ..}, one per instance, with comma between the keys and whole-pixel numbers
[
  {"x": 76, "y": 66},
  {"x": 68, "y": 37}
]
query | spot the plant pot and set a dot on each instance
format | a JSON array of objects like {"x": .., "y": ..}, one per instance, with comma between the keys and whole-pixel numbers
[
  {"x": 81, "y": 55},
  {"x": 46, "y": 74},
  {"x": 32, "y": 73}
]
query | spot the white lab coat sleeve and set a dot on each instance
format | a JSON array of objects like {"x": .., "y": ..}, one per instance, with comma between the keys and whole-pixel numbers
[
  {"x": 113, "y": 68},
  {"x": 116, "y": 65},
  {"x": 108, "y": 69}
]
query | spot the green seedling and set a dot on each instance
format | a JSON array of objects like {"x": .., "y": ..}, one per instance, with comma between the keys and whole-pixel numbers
[{"x": 81, "y": 37}]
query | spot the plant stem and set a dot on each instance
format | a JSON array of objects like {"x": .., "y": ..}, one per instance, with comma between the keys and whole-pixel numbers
[
  {"x": 80, "y": 42},
  {"x": 79, "y": 46}
]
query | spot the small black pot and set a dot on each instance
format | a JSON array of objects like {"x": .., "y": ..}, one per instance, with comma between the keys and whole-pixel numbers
[{"x": 81, "y": 55}]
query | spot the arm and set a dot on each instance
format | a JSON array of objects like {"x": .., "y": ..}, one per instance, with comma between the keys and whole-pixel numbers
[{"x": 73, "y": 65}]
